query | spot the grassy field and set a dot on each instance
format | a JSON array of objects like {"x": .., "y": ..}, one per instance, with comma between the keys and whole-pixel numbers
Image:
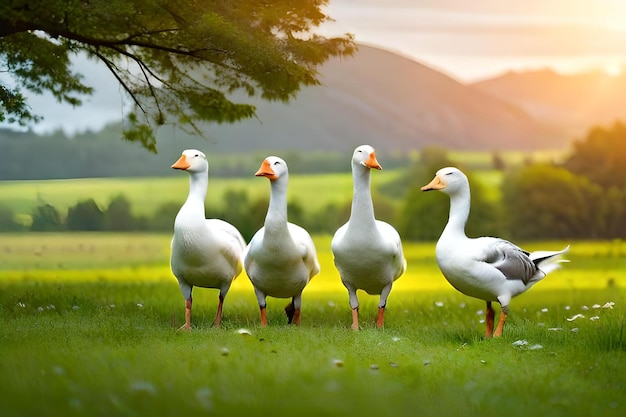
[
  {"x": 147, "y": 194},
  {"x": 89, "y": 328}
]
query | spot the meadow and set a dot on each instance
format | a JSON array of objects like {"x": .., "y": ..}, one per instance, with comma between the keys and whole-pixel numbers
[
  {"x": 89, "y": 327},
  {"x": 147, "y": 194}
]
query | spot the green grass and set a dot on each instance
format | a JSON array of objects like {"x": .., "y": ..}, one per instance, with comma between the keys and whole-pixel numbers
[
  {"x": 89, "y": 328},
  {"x": 147, "y": 194}
]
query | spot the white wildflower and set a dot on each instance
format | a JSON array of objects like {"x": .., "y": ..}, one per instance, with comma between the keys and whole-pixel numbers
[
  {"x": 143, "y": 386},
  {"x": 40, "y": 309},
  {"x": 337, "y": 362},
  {"x": 544, "y": 310},
  {"x": 395, "y": 338},
  {"x": 439, "y": 303},
  {"x": 139, "y": 305},
  {"x": 594, "y": 318},
  {"x": 536, "y": 346},
  {"x": 555, "y": 329},
  {"x": 21, "y": 304},
  {"x": 244, "y": 332},
  {"x": 480, "y": 312},
  {"x": 610, "y": 305},
  {"x": 584, "y": 308},
  {"x": 596, "y": 306},
  {"x": 521, "y": 342},
  {"x": 567, "y": 308},
  {"x": 224, "y": 351},
  {"x": 575, "y": 329},
  {"x": 575, "y": 317}
]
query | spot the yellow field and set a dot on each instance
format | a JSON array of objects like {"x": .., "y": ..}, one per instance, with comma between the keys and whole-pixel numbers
[{"x": 145, "y": 257}]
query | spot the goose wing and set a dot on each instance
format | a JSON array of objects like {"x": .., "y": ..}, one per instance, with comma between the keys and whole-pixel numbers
[
  {"x": 304, "y": 242},
  {"x": 233, "y": 243},
  {"x": 511, "y": 260}
]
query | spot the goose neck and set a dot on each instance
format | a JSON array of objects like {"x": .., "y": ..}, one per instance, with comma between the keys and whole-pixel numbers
[
  {"x": 459, "y": 212},
  {"x": 198, "y": 183},
  {"x": 277, "y": 209},
  {"x": 362, "y": 211}
]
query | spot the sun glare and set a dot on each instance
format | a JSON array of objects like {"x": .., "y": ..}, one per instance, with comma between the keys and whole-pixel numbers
[{"x": 613, "y": 69}]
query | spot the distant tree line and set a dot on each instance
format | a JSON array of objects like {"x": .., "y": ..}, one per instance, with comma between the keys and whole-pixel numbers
[
  {"x": 247, "y": 215},
  {"x": 582, "y": 198},
  {"x": 101, "y": 154}
]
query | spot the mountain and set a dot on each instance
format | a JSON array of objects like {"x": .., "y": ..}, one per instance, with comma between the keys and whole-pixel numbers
[
  {"x": 389, "y": 101},
  {"x": 375, "y": 97},
  {"x": 576, "y": 102}
]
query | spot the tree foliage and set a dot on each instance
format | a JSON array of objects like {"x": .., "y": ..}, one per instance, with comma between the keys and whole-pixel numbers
[
  {"x": 85, "y": 215},
  {"x": 543, "y": 201},
  {"x": 424, "y": 215},
  {"x": 46, "y": 218},
  {"x": 178, "y": 61},
  {"x": 601, "y": 156}
]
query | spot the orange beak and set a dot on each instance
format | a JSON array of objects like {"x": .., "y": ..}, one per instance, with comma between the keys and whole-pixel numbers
[
  {"x": 181, "y": 163},
  {"x": 372, "y": 162},
  {"x": 435, "y": 184},
  {"x": 266, "y": 171}
]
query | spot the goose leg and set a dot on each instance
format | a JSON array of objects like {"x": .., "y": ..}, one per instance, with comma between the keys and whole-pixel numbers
[
  {"x": 354, "y": 304},
  {"x": 489, "y": 316},
  {"x": 260, "y": 296},
  {"x": 380, "y": 320},
  {"x": 186, "y": 290},
  {"x": 218, "y": 316},
  {"x": 187, "y": 325},
  {"x": 503, "y": 315},
  {"x": 293, "y": 310},
  {"x": 220, "y": 304}
]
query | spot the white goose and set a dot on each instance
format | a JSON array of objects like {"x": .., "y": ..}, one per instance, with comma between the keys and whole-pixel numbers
[
  {"x": 281, "y": 258},
  {"x": 368, "y": 252},
  {"x": 205, "y": 252},
  {"x": 486, "y": 268}
]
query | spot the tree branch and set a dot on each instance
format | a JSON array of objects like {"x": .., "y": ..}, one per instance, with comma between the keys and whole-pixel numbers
[{"x": 113, "y": 68}]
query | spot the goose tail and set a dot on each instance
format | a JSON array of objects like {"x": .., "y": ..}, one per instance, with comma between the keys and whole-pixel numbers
[{"x": 548, "y": 261}]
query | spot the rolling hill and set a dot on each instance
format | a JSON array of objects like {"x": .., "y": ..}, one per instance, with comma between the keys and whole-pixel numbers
[
  {"x": 377, "y": 97},
  {"x": 389, "y": 101}
]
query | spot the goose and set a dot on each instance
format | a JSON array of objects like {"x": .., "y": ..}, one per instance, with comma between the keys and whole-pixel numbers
[
  {"x": 367, "y": 252},
  {"x": 204, "y": 252},
  {"x": 280, "y": 259},
  {"x": 486, "y": 268}
]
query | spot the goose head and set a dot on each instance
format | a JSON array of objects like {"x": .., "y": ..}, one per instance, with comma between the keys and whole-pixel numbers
[
  {"x": 449, "y": 180},
  {"x": 192, "y": 160},
  {"x": 272, "y": 168},
  {"x": 365, "y": 155}
]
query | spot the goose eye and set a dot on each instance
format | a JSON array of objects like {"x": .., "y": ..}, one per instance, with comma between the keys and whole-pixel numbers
[{"x": 276, "y": 163}]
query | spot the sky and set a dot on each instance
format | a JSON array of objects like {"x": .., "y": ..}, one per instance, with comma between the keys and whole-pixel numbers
[
  {"x": 473, "y": 40},
  {"x": 467, "y": 40}
]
